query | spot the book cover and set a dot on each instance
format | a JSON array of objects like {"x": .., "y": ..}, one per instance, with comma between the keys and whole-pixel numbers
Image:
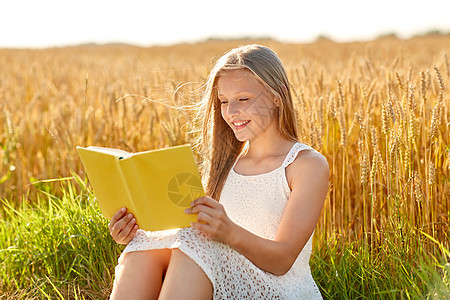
[{"x": 156, "y": 186}]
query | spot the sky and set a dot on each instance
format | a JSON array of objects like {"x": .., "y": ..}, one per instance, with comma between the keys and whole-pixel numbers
[{"x": 55, "y": 23}]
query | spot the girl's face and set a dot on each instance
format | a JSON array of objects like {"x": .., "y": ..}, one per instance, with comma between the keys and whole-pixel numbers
[{"x": 246, "y": 105}]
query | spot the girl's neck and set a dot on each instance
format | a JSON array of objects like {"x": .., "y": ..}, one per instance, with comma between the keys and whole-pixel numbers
[
  {"x": 268, "y": 143},
  {"x": 259, "y": 149}
]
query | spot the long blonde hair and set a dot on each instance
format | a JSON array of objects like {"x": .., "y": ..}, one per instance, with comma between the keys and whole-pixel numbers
[{"x": 217, "y": 142}]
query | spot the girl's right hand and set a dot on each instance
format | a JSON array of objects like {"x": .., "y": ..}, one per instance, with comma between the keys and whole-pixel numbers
[{"x": 122, "y": 226}]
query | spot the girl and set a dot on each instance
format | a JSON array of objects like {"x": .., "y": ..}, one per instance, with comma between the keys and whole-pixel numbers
[{"x": 265, "y": 194}]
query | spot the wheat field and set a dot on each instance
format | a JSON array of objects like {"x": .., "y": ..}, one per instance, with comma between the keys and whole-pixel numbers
[{"x": 378, "y": 111}]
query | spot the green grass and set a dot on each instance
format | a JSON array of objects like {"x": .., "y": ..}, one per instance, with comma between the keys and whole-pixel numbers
[
  {"x": 60, "y": 248},
  {"x": 352, "y": 272},
  {"x": 56, "y": 247}
]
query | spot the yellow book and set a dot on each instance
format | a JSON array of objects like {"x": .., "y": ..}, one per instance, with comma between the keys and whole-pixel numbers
[{"x": 156, "y": 186}]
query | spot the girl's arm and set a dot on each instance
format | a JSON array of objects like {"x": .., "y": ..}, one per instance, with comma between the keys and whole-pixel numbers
[{"x": 309, "y": 185}]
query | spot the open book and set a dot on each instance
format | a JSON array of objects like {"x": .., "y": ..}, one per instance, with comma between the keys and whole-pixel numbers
[{"x": 156, "y": 186}]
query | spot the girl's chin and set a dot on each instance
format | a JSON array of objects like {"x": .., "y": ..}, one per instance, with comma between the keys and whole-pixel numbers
[{"x": 241, "y": 137}]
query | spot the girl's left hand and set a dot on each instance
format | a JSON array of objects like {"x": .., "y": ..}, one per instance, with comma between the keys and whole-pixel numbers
[{"x": 212, "y": 219}]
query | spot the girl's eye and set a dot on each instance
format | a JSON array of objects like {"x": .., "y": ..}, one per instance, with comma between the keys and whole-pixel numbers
[
  {"x": 243, "y": 99},
  {"x": 223, "y": 102}
]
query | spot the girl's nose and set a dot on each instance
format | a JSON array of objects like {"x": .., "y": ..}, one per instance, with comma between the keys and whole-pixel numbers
[{"x": 232, "y": 109}]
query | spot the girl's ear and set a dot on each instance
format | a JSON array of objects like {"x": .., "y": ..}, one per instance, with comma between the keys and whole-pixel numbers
[
  {"x": 276, "y": 101},
  {"x": 285, "y": 90}
]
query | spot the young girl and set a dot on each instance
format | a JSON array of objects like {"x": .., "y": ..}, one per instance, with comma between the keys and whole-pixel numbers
[{"x": 253, "y": 234}]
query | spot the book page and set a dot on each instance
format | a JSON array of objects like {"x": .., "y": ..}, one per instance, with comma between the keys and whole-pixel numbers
[{"x": 116, "y": 152}]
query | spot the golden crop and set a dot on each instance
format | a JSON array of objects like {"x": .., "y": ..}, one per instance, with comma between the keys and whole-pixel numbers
[{"x": 377, "y": 110}]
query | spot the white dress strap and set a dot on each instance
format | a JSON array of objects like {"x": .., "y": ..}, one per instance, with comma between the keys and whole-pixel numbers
[{"x": 290, "y": 157}]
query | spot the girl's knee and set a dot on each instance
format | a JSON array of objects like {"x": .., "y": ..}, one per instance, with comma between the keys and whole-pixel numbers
[
  {"x": 140, "y": 273},
  {"x": 185, "y": 279},
  {"x": 151, "y": 256},
  {"x": 146, "y": 262}
]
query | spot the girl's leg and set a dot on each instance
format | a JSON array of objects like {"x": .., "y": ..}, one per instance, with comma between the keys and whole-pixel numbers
[
  {"x": 185, "y": 279},
  {"x": 140, "y": 274}
]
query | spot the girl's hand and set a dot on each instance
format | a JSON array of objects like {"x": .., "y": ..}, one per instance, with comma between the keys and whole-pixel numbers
[
  {"x": 122, "y": 226},
  {"x": 212, "y": 219}
]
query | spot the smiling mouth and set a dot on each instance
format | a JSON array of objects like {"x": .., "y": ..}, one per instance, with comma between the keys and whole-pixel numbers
[{"x": 240, "y": 125}]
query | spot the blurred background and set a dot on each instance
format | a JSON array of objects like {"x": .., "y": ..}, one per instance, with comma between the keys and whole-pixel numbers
[{"x": 50, "y": 23}]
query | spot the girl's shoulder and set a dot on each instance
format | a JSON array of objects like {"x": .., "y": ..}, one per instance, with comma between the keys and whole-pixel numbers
[
  {"x": 306, "y": 157},
  {"x": 302, "y": 152},
  {"x": 307, "y": 162}
]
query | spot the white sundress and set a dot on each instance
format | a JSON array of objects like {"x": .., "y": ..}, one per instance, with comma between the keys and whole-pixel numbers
[{"x": 257, "y": 203}]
